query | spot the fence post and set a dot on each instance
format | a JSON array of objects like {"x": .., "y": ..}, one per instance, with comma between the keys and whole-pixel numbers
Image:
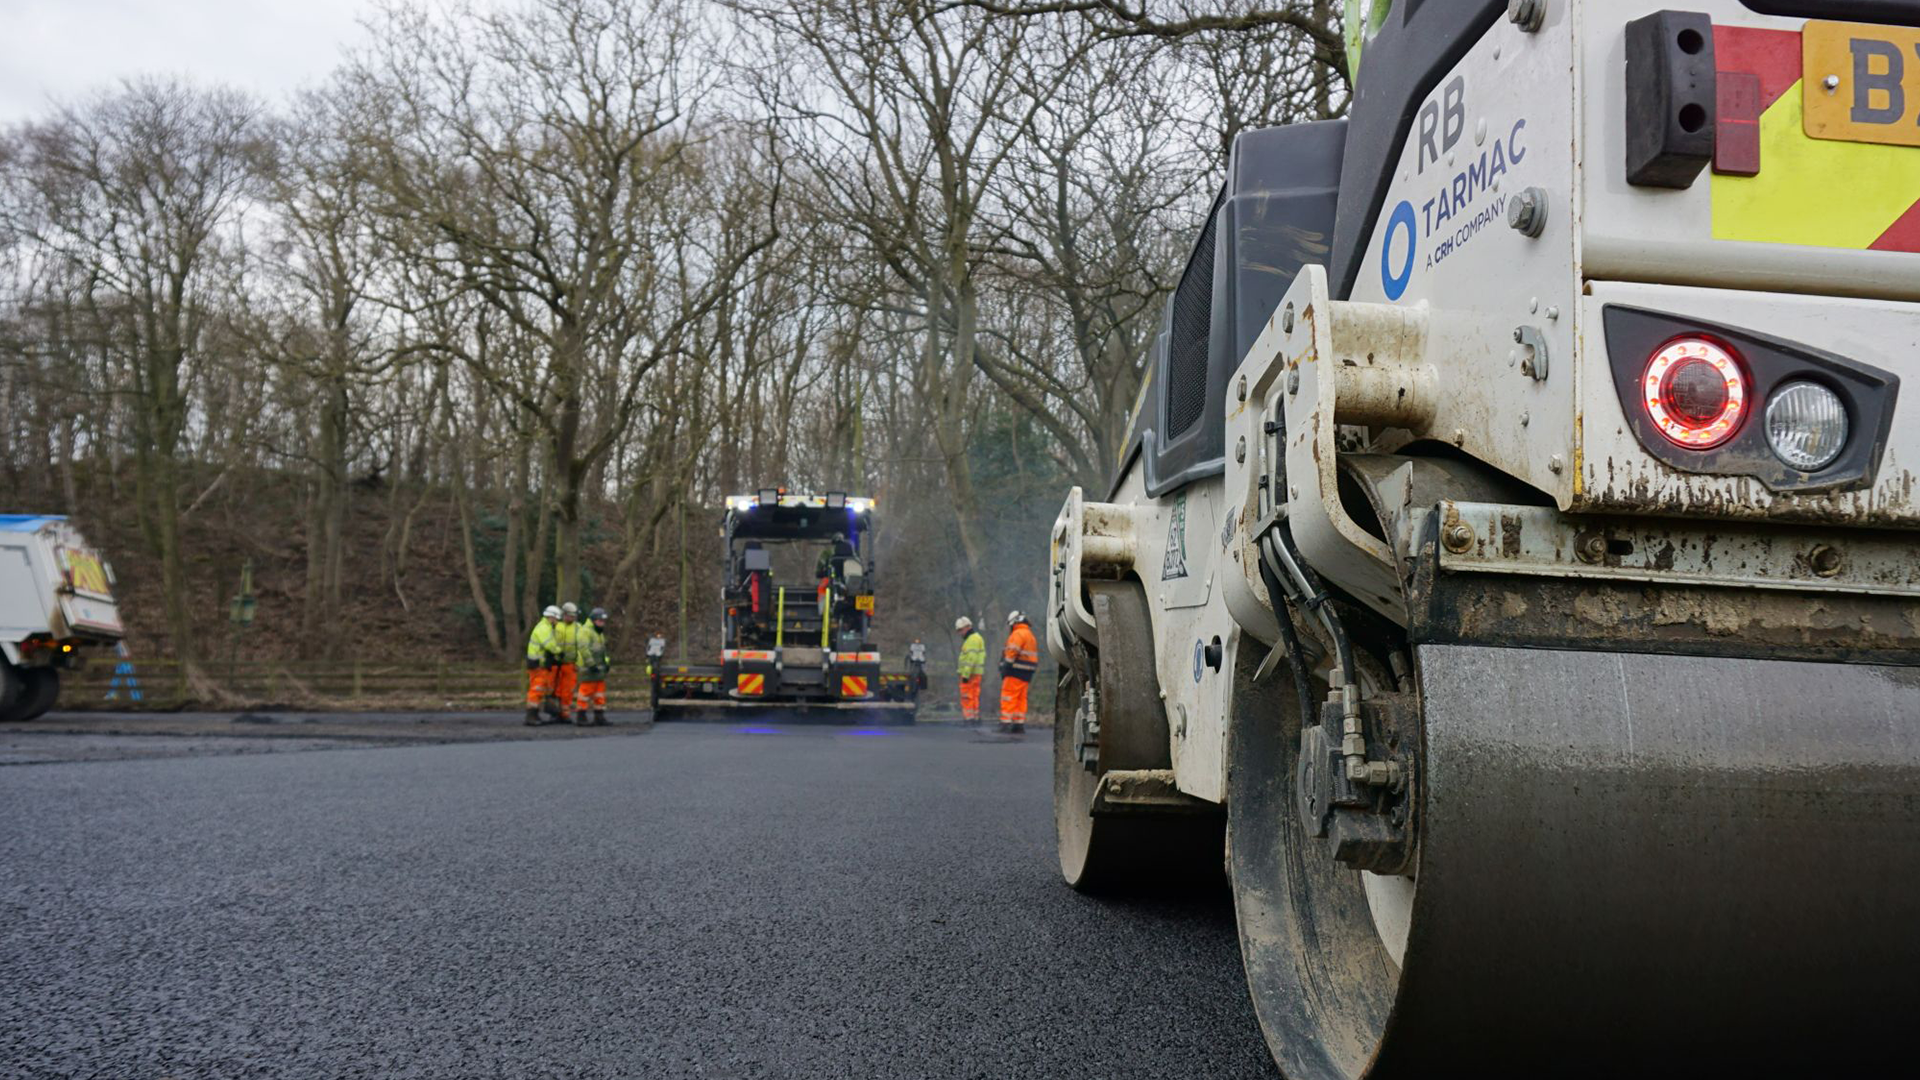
[{"x": 356, "y": 678}]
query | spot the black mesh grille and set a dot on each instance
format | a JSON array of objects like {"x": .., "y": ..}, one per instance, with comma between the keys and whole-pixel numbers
[{"x": 1187, "y": 343}]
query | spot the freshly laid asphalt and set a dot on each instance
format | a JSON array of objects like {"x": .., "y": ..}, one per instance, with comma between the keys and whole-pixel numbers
[{"x": 711, "y": 900}]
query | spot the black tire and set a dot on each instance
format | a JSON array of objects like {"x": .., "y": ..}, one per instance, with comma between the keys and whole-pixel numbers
[
  {"x": 43, "y": 688},
  {"x": 1322, "y": 984},
  {"x": 12, "y": 685},
  {"x": 1131, "y": 852}
]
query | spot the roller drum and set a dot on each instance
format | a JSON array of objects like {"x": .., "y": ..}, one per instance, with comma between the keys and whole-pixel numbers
[
  {"x": 1628, "y": 864},
  {"x": 1637, "y": 857}
]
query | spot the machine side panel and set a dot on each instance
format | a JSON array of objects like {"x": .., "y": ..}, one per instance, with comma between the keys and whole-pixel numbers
[{"x": 1494, "y": 129}]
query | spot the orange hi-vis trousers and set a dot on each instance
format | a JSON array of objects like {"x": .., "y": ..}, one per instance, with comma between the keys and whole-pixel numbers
[
  {"x": 970, "y": 698},
  {"x": 592, "y": 695},
  {"x": 1013, "y": 700},
  {"x": 539, "y": 685},
  {"x": 565, "y": 681}
]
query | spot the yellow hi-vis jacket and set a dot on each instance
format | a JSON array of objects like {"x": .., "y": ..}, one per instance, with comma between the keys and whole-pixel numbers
[
  {"x": 564, "y": 635},
  {"x": 973, "y": 656},
  {"x": 590, "y": 653},
  {"x": 542, "y": 644}
]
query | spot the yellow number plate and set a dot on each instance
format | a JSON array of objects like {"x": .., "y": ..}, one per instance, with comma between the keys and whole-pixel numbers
[
  {"x": 1861, "y": 82},
  {"x": 863, "y": 603}
]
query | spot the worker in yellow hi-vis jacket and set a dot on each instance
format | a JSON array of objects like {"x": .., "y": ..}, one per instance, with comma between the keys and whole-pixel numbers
[
  {"x": 543, "y": 659},
  {"x": 566, "y": 676},
  {"x": 592, "y": 663},
  {"x": 972, "y": 667}
]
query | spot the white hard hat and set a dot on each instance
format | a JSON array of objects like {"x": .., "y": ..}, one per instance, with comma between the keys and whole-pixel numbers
[
  {"x": 1015, "y": 617},
  {"x": 570, "y": 608},
  {"x": 551, "y": 612},
  {"x": 963, "y": 623}
]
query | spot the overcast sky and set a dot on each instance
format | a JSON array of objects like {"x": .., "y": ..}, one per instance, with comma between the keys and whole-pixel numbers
[{"x": 66, "y": 48}]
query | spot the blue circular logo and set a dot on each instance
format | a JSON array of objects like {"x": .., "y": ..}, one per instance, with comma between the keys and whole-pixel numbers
[{"x": 1396, "y": 284}]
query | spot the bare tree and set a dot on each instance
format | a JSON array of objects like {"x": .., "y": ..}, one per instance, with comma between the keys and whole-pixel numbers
[
  {"x": 138, "y": 191},
  {"x": 911, "y": 117},
  {"x": 535, "y": 157},
  {"x": 320, "y": 276}
]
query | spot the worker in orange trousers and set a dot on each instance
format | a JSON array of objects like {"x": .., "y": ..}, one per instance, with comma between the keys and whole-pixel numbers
[
  {"x": 971, "y": 668},
  {"x": 543, "y": 659},
  {"x": 1018, "y": 663}
]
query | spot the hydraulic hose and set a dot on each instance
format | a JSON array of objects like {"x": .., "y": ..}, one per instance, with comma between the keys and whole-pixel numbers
[
  {"x": 1353, "y": 742},
  {"x": 1290, "y": 641}
]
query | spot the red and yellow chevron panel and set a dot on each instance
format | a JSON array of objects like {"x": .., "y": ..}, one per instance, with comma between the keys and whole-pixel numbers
[
  {"x": 754, "y": 685},
  {"x": 1821, "y": 192},
  {"x": 853, "y": 686}
]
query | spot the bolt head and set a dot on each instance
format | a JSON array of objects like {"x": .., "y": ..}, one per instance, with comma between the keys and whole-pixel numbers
[
  {"x": 1286, "y": 319},
  {"x": 1457, "y": 536},
  {"x": 1240, "y": 450},
  {"x": 1243, "y": 388},
  {"x": 1592, "y": 548},
  {"x": 1527, "y": 211},
  {"x": 1826, "y": 560}
]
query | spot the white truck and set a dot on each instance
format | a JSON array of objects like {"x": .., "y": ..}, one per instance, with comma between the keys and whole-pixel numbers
[
  {"x": 56, "y": 606},
  {"x": 1515, "y": 559}
]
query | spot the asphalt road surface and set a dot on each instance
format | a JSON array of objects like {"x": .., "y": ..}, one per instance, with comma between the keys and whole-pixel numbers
[{"x": 712, "y": 900}]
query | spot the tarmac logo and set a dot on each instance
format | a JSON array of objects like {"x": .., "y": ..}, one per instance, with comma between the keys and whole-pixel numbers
[
  {"x": 753, "y": 684},
  {"x": 1394, "y": 282},
  {"x": 853, "y": 686},
  {"x": 1175, "y": 563}
]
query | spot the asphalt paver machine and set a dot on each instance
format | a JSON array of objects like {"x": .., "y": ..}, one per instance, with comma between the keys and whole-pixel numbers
[
  {"x": 797, "y": 615},
  {"x": 1516, "y": 553}
]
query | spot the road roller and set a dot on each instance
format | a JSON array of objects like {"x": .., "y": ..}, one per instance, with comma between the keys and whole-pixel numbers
[{"x": 1510, "y": 584}]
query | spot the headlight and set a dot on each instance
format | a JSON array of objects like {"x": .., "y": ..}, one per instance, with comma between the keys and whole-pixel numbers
[{"x": 1806, "y": 425}]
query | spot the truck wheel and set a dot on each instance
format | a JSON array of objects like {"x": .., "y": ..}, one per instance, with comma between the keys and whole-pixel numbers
[
  {"x": 12, "y": 686},
  {"x": 1109, "y": 851},
  {"x": 42, "y": 686}
]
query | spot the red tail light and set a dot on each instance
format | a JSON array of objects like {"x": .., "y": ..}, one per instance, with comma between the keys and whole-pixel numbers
[{"x": 1695, "y": 392}]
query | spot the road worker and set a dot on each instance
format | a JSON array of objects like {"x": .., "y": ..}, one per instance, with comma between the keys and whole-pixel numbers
[
  {"x": 591, "y": 660},
  {"x": 543, "y": 659},
  {"x": 1017, "y": 666},
  {"x": 566, "y": 677},
  {"x": 827, "y": 568},
  {"x": 972, "y": 667}
]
